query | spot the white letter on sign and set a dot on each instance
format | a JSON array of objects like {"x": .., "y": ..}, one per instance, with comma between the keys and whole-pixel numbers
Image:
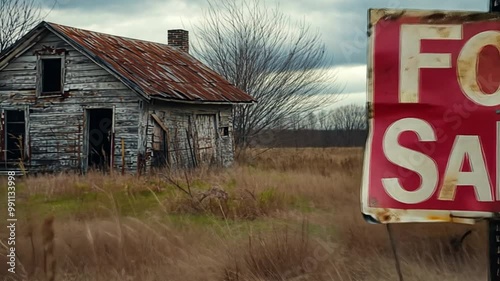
[
  {"x": 467, "y": 68},
  {"x": 478, "y": 177},
  {"x": 411, "y": 60},
  {"x": 411, "y": 160}
]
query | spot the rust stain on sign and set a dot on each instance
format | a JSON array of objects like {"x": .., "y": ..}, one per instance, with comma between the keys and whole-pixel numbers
[
  {"x": 388, "y": 215},
  {"x": 473, "y": 66},
  {"x": 448, "y": 189},
  {"x": 440, "y": 17},
  {"x": 443, "y": 31}
]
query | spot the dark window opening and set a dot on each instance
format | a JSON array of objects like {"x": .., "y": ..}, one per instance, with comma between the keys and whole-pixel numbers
[
  {"x": 51, "y": 76},
  {"x": 160, "y": 149},
  {"x": 224, "y": 131},
  {"x": 15, "y": 134},
  {"x": 100, "y": 138}
]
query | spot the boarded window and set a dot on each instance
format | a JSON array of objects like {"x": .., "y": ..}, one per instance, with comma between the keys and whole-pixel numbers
[{"x": 51, "y": 76}]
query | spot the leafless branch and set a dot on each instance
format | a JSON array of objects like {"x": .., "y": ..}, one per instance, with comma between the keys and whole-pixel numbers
[
  {"x": 279, "y": 62},
  {"x": 187, "y": 191},
  {"x": 348, "y": 117},
  {"x": 17, "y": 17}
]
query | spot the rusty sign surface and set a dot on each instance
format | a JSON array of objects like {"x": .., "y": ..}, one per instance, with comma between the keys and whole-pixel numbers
[{"x": 432, "y": 154}]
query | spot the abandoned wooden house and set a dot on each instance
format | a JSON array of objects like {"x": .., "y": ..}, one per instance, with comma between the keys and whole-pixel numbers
[{"x": 73, "y": 99}]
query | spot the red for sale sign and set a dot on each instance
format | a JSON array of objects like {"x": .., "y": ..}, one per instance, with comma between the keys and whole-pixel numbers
[{"x": 434, "y": 102}]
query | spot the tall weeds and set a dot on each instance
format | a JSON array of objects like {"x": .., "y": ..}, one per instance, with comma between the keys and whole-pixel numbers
[{"x": 284, "y": 214}]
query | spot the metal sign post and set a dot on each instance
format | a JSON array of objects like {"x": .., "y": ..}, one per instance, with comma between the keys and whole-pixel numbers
[
  {"x": 421, "y": 152},
  {"x": 494, "y": 249},
  {"x": 494, "y": 6}
]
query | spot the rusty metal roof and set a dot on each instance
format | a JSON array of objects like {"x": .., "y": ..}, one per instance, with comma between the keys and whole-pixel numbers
[{"x": 154, "y": 70}]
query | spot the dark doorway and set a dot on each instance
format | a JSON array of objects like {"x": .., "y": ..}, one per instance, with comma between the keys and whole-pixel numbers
[
  {"x": 15, "y": 134},
  {"x": 100, "y": 123},
  {"x": 160, "y": 149}
]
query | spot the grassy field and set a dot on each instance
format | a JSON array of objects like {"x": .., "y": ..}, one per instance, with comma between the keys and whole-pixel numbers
[{"x": 282, "y": 214}]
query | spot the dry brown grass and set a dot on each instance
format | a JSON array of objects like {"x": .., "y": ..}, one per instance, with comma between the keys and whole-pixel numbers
[{"x": 283, "y": 214}]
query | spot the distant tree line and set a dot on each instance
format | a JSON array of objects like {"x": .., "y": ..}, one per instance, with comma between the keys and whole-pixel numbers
[{"x": 344, "y": 126}]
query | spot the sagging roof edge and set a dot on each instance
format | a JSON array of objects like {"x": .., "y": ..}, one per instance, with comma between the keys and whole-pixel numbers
[{"x": 203, "y": 102}]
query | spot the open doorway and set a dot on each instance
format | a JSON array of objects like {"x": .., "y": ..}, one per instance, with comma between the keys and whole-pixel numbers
[
  {"x": 160, "y": 148},
  {"x": 100, "y": 138}
]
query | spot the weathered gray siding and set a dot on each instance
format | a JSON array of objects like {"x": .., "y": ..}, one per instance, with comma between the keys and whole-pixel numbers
[
  {"x": 184, "y": 132},
  {"x": 56, "y": 125}
]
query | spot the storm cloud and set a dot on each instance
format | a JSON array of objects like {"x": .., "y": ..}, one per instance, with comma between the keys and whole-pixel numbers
[{"x": 342, "y": 24}]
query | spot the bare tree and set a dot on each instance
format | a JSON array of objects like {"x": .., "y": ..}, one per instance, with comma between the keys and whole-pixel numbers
[
  {"x": 312, "y": 121},
  {"x": 281, "y": 63},
  {"x": 16, "y": 18},
  {"x": 348, "y": 117},
  {"x": 349, "y": 124},
  {"x": 322, "y": 120}
]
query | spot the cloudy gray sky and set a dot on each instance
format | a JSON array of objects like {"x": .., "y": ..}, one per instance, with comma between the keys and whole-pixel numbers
[{"x": 342, "y": 24}]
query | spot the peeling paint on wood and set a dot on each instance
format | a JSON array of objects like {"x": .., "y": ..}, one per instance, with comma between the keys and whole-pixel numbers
[
  {"x": 200, "y": 139},
  {"x": 57, "y": 128}
]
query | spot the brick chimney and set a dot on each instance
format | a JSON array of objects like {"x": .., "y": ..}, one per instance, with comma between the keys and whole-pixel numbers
[{"x": 179, "y": 38}]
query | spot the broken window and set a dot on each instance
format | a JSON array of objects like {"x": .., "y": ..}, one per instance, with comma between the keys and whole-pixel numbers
[
  {"x": 224, "y": 131},
  {"x": 13, "y": 136},
  {"x": 51, "y": 76}
]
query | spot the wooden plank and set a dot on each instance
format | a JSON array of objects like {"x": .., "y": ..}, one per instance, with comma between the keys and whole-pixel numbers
[
  {"x": 17, "y": 86},
  {"x": 7, "y": 74},
  {"x": 82, "y": 67},
  {"x": 16, "y": 92},
  {"x": 127, "y": 130},
  {"x": 12, "y": 81},
  {"x": 59, "y": 118},
  {"x": 54, "y": 42},
  {"x": 51, "y": 38},
  {"x": 160, "y": 123},
  {"x": 90, "y": 80},
  {"x": 67, "y": 109},
  {"x": 95, "y": 86},
  {"x": 37, "y": 132},
  {"x": 20, "y": 66},
  {"x": 25, "y": 59},
  {"x": 89, "y": 73},
  {"x": 22, "y": 48},
  {"x": 126, "y": 103},
  {"x": 78, "y": 60},
  {"x": 126, "y": 122}
]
